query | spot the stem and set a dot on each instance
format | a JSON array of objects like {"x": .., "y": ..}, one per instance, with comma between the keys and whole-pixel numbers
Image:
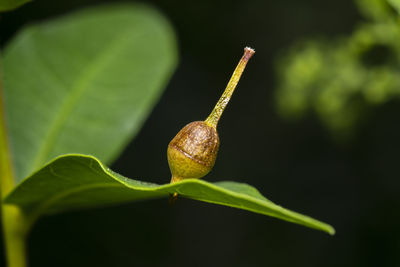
[
  {"x": 215, "y": 115},
  {"x": 14, "y": 227},
  {"x": 15, "y": 234}
]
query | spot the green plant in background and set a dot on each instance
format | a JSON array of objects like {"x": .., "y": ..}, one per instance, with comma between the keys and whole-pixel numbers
[
  {"x": 84, "y": 83},
  {"x": 339, "y": 80}
]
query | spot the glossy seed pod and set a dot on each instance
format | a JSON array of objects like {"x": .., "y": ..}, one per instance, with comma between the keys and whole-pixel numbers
[{"x": 193, "y": 151}]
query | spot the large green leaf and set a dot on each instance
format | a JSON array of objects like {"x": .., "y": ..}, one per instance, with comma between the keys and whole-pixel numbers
[
  {"x": 84, "y": 83},
  {"x": 77, "y": 181},
  {"x": 11, "y": 4}
]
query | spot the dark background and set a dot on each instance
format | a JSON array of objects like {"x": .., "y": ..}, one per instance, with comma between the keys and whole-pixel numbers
[{"x": 353, "y": 185}]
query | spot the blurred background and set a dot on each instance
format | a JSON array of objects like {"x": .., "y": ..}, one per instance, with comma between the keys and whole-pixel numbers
[{"x": 312, "y": 125}]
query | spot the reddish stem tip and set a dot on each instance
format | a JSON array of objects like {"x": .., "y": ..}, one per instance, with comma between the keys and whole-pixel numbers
[{"x": 248, "y": 53}]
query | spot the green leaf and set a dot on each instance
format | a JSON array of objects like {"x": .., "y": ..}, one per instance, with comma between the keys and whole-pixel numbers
[
  {"x": 395, "y": 4},
  {"x": 6, "y": 5},
  {"x": 84, "y": 83},
  {"x": 72, "y": 182}
]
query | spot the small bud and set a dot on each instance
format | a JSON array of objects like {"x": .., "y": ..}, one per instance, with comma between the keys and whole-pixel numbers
[{"x": 192, "y": 152}]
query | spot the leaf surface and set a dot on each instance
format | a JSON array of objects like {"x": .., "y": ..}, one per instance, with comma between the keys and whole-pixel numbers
[
  {"x": 85, "y": 82},
  {"x": 72, "y": 182}
]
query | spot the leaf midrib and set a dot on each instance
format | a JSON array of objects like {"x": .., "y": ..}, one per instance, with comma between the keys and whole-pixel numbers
[{"x": 78, "y": 89}]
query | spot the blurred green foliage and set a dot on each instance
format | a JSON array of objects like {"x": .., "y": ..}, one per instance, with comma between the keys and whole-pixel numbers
[
  {"x": 395, "y": 4},
  {"x": 6, "y": 5},
  {"x": 341, "y": 79}
]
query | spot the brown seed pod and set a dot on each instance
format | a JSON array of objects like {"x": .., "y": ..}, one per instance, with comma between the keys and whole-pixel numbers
[{"x": 192, "y": 152}]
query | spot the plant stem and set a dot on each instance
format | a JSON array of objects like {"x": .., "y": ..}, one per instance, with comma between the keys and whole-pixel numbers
[
  {"x": 15, "y": 234},
  {"x": 14, "y": 227},
  {"x": 215, "y": 115}
]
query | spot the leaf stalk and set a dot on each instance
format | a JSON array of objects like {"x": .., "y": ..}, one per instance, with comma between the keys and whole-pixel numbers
[{"x": 14, "y": 227}]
